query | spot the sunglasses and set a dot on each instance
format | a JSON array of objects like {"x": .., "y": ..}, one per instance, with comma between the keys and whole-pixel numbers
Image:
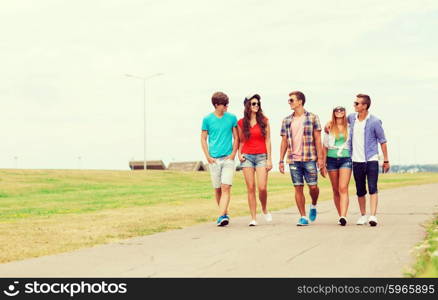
[
  {"x": 255, "y": 104},
  {"x": 356, "y": 103},
  {"x": 340, "y": 109},
  {"x": 290, "y": 101},
  {"x": 224, "y": 104}
]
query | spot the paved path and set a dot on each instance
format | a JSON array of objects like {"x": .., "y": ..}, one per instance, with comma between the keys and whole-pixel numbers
[{"x": 279, "y": 249}]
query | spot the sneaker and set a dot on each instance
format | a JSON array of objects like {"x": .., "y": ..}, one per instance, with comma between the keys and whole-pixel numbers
[
  {"x": 373, "y": 221},
  {"x": 312, "y": 213},
  {"x": 227, "y": 216},
  {"x": 253, "y": 223},
  {"x": 222, "y": 221},
  {"x": 303, "y": 221},
  {"x": 362, "y": 220},
  {"x": 268, "y": 217},
  {"x": 342, "y": 221}
]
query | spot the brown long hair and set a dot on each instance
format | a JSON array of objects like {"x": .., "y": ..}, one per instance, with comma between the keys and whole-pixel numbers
[
  {"x": 334, "y": 128},
  {"x": 260, "y": 117}
]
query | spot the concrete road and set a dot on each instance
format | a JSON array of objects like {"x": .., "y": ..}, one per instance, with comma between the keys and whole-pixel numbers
[{"x": 278, "y": 249}]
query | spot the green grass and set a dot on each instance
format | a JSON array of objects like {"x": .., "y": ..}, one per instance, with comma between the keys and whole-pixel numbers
[
  {"x": 53, "y": 211},
  {"x": 427, "y": 254}
]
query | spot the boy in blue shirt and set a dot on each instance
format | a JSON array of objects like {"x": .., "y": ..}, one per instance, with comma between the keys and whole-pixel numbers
[{"x": 220, "y": 127}]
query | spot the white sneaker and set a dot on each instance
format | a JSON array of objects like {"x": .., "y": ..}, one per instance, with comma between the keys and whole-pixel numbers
[
  {"x": 268, "y": 217},
  {"x": 252, "y": 223},
  {"x": 373, "y": 221},
  {"x": 362, "y": 220}
]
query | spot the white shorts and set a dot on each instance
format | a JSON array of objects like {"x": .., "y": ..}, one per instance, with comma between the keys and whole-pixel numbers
[{"x": 222, "y": 172}]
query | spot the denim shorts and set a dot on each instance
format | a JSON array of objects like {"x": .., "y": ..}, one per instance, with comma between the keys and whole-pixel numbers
[
  {"x": 366, "y": 171},
  {"x": 334, "y": 164},
  {"x": 306, "y": 169},
  {"x": 254, "y": 160}
]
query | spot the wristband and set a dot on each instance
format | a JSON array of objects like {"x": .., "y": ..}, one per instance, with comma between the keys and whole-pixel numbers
[{"x": 386, "y": 162}]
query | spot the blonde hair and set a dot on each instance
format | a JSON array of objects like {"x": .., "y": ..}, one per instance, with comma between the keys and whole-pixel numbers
[{"x": 334, "y": 128}]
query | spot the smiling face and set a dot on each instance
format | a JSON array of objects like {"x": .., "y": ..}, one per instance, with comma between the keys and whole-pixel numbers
[
  {"x": 339, "y": 112},
  {"x": 255, "y": 105},
  {"x": 359, "y": 105}
]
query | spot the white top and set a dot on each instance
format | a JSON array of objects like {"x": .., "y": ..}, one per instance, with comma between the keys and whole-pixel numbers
[{"x": 359, "y": 141}]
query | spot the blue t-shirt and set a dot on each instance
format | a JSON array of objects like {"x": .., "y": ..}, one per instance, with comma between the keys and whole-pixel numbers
[{"x": 220, "y": 133}]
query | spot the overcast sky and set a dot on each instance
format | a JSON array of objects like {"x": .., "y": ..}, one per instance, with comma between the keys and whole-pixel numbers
[{"x": 64, "y": 93}]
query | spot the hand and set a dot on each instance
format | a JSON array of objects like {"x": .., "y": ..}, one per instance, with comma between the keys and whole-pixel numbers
[
  {"x": 242, "y": 158},
  {"x": 320, "y": 164},
  {"x": 211, "y": 160},
  {"x": 327, "y": 127},
  {"x": 281, "y": 167},
  {"x": 231, "y": 157},
  {"x": 323, "y": 172},
  {"x": 386, "y": 167},
  {"x": 268, "y": 165}
]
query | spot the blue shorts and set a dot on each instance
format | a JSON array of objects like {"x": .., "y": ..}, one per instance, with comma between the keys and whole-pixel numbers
[
  {"x": 334, "y": 164},
  {"x": 363, "y": 172},
  {"x": 306, "y": 169},
  {"x": 254, "y": 160}
]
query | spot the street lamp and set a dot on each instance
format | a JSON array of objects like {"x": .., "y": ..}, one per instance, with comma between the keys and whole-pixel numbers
[{"x": 144, "y": 113}]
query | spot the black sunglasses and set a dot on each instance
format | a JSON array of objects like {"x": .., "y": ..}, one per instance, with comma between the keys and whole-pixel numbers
[
  {"x": 255, "y": 103},
  {"x": 356, "y": 103},
  {"x": 339, "y": 109},
  {"x": 290, "y": 100}
]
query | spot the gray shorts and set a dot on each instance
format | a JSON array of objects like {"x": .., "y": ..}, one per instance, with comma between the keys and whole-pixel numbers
[{"x": 222, "y": 172}]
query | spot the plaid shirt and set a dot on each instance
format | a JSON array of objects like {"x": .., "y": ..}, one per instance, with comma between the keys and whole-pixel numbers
[{"x": 311, "y": 123}]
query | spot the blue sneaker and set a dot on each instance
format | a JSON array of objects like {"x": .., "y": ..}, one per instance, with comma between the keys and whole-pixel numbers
[
  {"x": 303, "y": 221},
  {"x": 222, "y": 221},
  {"x": 312, "y": 214}
]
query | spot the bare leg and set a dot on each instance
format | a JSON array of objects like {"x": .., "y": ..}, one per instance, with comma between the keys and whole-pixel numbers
[
  {"x": 373, "y": 204},
  {"x": 344, "y": 180},
  {"x": 300, "y": 199},
  {"x": 218, "y": 194},
  {"x": 362, "y": 205},
  {"x": 225, "y": 199},
  {"x": 314, "y": 193},
  {"x": 335, "y": 187},
  {"x": 262, "y": 182},
  {"x": 248, "y": 173}
]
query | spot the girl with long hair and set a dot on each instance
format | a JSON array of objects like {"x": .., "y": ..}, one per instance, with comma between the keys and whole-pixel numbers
[
  {"x": 337, "y": 157},
  {"x": 255, "y": 154}
]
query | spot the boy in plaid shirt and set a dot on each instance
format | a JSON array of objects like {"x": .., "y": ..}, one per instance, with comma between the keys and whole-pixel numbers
[{"x": 301, "y": 137}]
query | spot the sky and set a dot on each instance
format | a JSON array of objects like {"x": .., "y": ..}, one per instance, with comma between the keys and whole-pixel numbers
[{"x": 66, "y": 102}]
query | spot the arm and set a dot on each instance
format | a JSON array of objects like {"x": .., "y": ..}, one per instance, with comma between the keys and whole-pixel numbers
[
  {"x": 268, "y": 147},
  {"x": 386, "y": 165},
  {"x": 319, "y": 151},
  {"x": 235, "y": 144},
  {"x": 204, "y": 135},
  {"x": 283, "y": 148},
  {"x": 241, "y": 139}
]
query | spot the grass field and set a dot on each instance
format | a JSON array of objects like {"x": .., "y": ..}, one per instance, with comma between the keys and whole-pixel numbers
[
  {"x": 427, "y": 253},
  {"x": 51, "y": 211}
]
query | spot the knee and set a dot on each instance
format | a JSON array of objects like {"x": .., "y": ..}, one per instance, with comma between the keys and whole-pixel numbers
[
  {"x": 225, "y": 188},
  {"x": 313, "y": 188},
  {"x": 343, "y": 189},
  {"x": 262, "y": 190},
  {"x": 251, "y": 188}
]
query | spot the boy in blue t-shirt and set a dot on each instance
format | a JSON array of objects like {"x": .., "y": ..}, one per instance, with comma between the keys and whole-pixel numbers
[{"x": 220, "y": 127}]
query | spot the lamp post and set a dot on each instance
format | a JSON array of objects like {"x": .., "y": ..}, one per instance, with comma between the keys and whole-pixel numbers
[{"x": 144, "y": 106}]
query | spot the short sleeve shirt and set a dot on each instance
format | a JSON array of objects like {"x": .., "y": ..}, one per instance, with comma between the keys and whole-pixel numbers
[{"x": 220, "y": 133}]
